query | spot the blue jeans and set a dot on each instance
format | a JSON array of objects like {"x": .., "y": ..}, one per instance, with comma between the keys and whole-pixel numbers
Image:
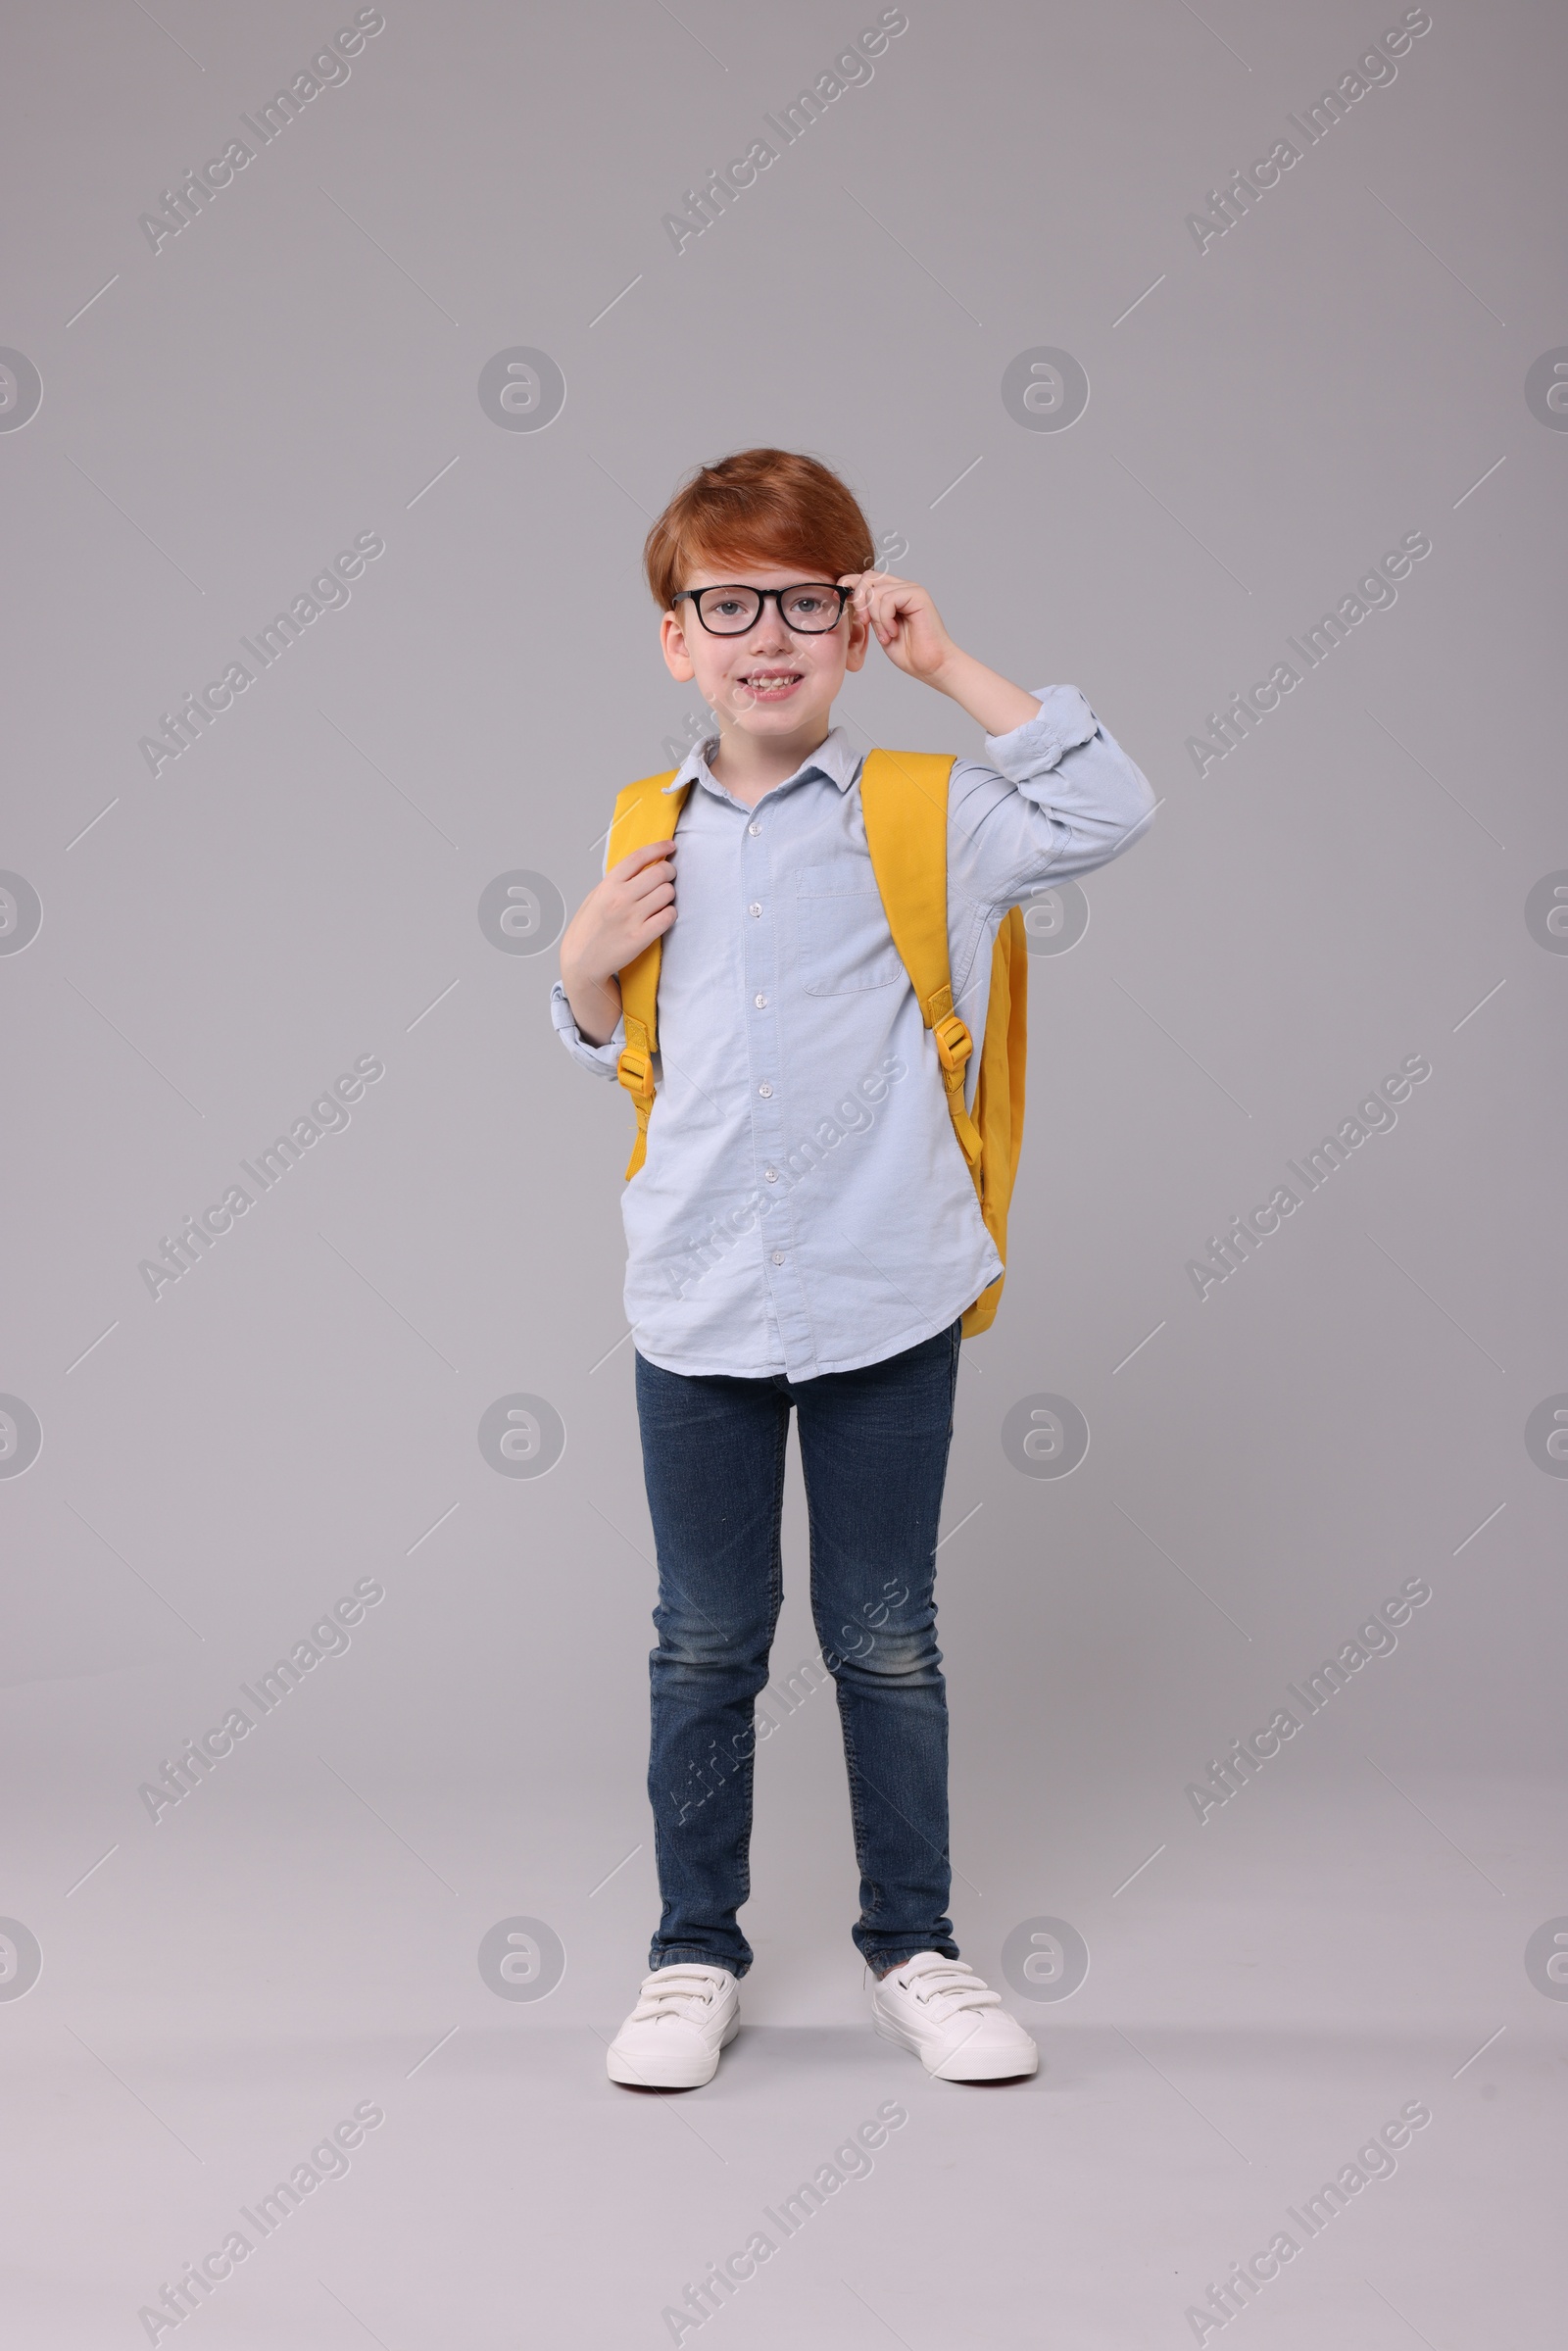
[{"x": 874, "y": 1453}]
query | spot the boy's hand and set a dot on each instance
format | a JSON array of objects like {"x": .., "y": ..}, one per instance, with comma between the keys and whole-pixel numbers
[
  {"x": 633, "y": 904},
  {"x": 904, "y": 620},
  {"x": 908, "y": 628}
]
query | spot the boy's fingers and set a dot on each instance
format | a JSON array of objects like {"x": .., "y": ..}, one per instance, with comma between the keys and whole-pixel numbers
[
  {"x": 655, "y": 927},
  {"x": 868, "y": 584},
  {"x": 650, "y": 878},
  {"x": 635, "y": 858}
]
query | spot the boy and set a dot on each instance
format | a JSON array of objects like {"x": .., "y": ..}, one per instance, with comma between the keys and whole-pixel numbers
[{"x": 804, "y": 1229}]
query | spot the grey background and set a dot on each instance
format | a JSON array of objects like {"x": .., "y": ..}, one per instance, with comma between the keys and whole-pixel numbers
[{"x": 301, "y": 364}]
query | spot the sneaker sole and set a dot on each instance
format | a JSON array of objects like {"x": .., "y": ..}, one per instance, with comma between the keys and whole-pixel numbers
[
  {"x": 958, "y": 2065},
  {"x": 635, "y": 2076}
]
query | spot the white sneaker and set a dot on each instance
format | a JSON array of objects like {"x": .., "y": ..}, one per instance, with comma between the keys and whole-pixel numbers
[
  {"x": 953, "y": 2021},
  {"x": 684, "y": 2016}
]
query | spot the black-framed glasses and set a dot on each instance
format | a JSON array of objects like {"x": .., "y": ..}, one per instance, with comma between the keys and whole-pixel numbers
[{"x": 812, "y": 607}]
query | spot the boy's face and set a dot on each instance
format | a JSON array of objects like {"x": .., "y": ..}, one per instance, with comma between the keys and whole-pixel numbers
[{"x": 771, "y": 680}]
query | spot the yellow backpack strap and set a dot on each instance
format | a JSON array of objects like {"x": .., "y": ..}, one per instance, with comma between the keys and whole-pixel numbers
[
  {"x": 998, "y": 1098},
  {"x": 644, "y": 812},
  {"x": 904, "y": 798}
]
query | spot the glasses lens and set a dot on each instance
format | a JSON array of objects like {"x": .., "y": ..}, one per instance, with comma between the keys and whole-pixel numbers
[
  {"x": 814, "y": 608},
  {"x": 728, "y": 611}
]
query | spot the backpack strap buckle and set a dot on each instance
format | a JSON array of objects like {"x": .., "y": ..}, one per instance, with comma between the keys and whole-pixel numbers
[
  {"x": 635, "y": 1070},
  {"x": 954, "y": 1043}
]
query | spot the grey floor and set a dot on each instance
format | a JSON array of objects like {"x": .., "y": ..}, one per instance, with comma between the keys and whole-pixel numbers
[{"x": 1255, "y": 2010}]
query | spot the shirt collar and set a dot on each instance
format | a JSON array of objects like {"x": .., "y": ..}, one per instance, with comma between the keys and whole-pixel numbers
[{"x": 835, "y": 758}]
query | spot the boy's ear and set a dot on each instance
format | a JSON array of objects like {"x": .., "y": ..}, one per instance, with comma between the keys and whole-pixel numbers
[
  {"x": 672, "y": 644},
  {"x": 860, "y": 638}
]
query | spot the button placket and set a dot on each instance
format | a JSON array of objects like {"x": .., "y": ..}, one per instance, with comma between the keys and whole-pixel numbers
[{"x": 775, "y": 1238}]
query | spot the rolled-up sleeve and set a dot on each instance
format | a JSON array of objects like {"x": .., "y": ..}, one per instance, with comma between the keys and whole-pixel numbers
[
  {"x": 1053, "y": 798},
  {"x": 601, "y": 1058}
]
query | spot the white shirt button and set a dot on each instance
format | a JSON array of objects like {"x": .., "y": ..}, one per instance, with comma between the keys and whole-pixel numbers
[
  {"x": 770, "y": 1175},
  {"x": 754, "y": 828},
  {"x": 764, "y": 1087},
  {"x": 778, "y": 1257},
  {"x": 753, "y": 909},
  {"x": 758, "y": 1000}
]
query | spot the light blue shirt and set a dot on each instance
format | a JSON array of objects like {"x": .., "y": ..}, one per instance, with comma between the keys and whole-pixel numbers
[{"x": 805, "y": 1206}]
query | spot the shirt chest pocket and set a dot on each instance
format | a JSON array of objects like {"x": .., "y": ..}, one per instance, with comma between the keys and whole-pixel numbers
[{"x": 842, "y": 932}]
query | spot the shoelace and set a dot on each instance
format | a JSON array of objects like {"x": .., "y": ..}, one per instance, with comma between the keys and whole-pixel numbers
[
  {"x": 677, "y": 1991},
  {"x": 953, "y": 1987}
]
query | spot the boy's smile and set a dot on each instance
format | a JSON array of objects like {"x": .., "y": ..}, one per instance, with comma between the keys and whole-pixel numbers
[{"x": 771, "y": 685}]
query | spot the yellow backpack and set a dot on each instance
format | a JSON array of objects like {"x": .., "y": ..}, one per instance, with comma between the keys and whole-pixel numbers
[{"x": 904, "y": 797}]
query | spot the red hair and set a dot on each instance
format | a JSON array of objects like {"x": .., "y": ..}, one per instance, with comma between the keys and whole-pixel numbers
[{"x": 770, "y": 506}]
